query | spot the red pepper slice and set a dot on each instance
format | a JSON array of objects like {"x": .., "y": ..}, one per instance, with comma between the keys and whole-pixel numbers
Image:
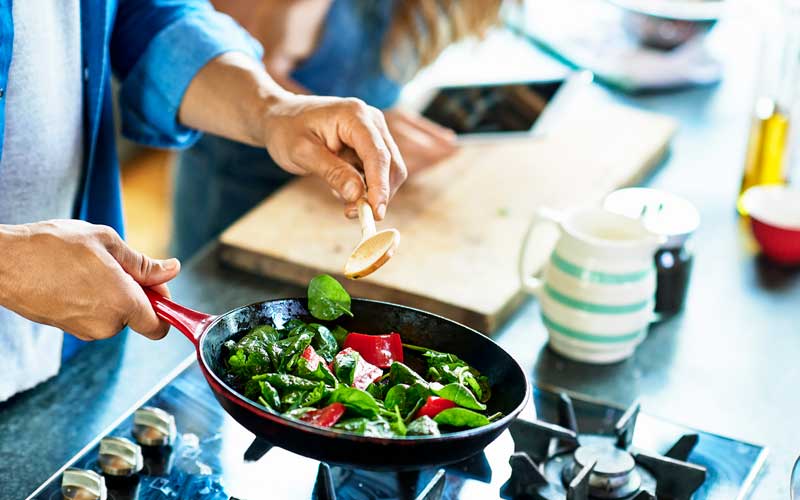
[
  {"x": 379, "y": 350},
  {"x": 433, "y": 406},
  {"x": 314, "y": 359},
  {"x": 325, "y": 417}
]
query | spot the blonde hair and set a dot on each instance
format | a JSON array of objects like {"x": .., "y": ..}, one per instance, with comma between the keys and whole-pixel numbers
[{"x": 421, "y": 29}]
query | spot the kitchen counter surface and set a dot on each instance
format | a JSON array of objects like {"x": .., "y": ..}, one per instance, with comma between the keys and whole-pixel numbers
[{"x": 726, "y": 364}]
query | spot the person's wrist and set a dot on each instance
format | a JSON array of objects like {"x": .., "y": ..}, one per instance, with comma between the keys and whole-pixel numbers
[
  {"x": 273, "y": 104},
  {"x": 11, "y": 236}
]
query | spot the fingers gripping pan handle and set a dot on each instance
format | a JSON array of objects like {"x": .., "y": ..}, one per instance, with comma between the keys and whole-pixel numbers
[{"x": 189, "y": 322}]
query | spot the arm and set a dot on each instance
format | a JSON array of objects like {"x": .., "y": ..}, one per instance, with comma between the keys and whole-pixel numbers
[
  {"x": 198, "y": 71},
  {"x": 183, "y": 65},
  {"x": 304, "y": 134}
]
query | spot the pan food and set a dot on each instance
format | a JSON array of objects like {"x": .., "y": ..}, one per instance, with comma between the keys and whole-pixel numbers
[
  {"x": 455, "y": 353},
  {"x": 368, "y": 384}
]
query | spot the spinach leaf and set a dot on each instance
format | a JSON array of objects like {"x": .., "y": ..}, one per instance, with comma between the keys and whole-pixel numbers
[
  {"x": 396, "y": 397},
  {"x": 269, "y": 396},
  {"x": 327, "y": 299},
  {"x": 340, "y": 334},
  {"x": 252, "y": 389},
  {"x": 379, "y": 389},
  {"x": 286, "y": 382},
  {"x": 416, "y": 396},
  {"x": 292, "y": 400},
  {"x": 423, "y": 426},
  {"x": 321, "y": 374},
  {"x": 345, "y": 364},
  {"x": 461, "y": 417},
  {"x": 396, "y": 422},
  {"x": 458, "y": 394},
  {"x": 324, "y": 342},
  {"x": 356, "y": 400},
  {"x": 245, "y": 365},
  {"x": 447, "y": 368},
  {"x": 315, "y": 395},
  {"x": 237, "y": 363},
  {"x": 377, "y": 427},
  {"x": 406, "y": 398},
  {"x": 275, "y": 354},
  {"x": 291, "y": 325},
  {"x": 263, "y": 334},
  {"x": 478, "y": 383},
  {"x": 291, "y": 348},
  {"x": 402, "y": 374},
  {"x": 250, "y": 355}
]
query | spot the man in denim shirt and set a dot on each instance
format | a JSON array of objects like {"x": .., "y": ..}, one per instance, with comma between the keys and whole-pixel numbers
[{"x": 182, "y": 68}]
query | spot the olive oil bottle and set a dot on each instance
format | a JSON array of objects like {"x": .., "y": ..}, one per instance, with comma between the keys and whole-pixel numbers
[
  {"x": 770, "y": 147},
  {"x": 766, "y": 158}
]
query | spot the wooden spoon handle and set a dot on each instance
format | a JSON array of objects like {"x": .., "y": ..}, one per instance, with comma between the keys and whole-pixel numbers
[{"x": 366, "y": 219}]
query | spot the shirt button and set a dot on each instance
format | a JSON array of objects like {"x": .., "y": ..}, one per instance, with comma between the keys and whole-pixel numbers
[
  {"x": 86, "y": 73},
  {"x": 2, "y": 92}
]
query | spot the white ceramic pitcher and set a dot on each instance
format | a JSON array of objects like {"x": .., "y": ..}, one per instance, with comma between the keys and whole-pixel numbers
[{"x": 596, "y": 291}]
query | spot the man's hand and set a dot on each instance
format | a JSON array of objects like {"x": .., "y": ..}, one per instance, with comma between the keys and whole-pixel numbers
[
  {"x": 81, "y": 278},
  {"x": 336, "y": 139},
  {"x": 318, "y": 135},
  {"x": 422, "y": 143}
]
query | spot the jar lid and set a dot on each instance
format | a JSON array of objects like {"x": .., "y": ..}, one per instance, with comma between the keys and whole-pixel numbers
[{"x": 661, "y": 212}]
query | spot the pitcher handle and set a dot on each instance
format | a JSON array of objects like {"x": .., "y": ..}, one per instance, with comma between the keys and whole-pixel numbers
[{"x": 531, "y": 283}]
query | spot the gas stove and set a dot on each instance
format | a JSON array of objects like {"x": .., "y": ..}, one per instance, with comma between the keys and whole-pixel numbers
[{"x": 182, "y": 445}]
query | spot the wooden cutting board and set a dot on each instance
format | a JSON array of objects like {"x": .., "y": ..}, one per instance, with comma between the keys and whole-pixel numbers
[{"x": 461, "y": 222}]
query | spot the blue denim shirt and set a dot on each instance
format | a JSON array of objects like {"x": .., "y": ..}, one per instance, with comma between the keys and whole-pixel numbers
[{"x": 154, "y": 47}]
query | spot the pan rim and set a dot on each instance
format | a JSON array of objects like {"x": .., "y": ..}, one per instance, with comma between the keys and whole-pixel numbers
[{"x": 231, "y": 394}]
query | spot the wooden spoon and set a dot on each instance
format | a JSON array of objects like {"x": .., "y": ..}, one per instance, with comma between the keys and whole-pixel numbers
[{"x": 375, "y": 247}]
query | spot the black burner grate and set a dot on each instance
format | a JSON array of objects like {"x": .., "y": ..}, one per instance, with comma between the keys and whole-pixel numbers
[{"x": 555, "y": 461}]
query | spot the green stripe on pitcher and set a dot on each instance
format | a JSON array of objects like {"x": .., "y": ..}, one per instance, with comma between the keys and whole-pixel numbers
[
  {"x": 595, "y": 308},
  {"x": 590, "y": 337},
  {"x": 579, "y": 272}
]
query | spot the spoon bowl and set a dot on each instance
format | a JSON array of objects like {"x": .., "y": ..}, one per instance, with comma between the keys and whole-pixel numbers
[
  {"x": 374, "y": 249},
  {"x": 372, "y": 253}
]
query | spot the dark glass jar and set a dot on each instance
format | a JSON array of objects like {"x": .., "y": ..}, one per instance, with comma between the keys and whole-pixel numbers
[
  {"x": 674, "y": 218},
  {"x": 673, "y": 268}
]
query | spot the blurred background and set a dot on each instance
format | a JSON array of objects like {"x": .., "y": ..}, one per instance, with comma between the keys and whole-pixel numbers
[{"x": 633, "y": 47}]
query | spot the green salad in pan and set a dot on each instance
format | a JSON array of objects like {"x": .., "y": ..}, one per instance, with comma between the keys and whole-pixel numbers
[{"x": 358, "y": 382}]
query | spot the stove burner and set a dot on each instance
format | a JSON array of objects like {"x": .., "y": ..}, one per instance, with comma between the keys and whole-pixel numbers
[
  {"x": 613, "y": 476},
  {"x": 556, "y": 461},
  {"x": 326, "y": 486}
]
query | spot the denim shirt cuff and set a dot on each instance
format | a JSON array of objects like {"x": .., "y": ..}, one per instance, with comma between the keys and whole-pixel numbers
[{"x": 152, "y": 93}]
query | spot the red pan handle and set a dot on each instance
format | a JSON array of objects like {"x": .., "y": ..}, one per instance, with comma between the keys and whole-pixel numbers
[{"x": 189, "y": 322}]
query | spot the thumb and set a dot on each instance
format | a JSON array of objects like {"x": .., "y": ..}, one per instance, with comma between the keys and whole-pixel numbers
[{"x": 143, "y": 269}]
